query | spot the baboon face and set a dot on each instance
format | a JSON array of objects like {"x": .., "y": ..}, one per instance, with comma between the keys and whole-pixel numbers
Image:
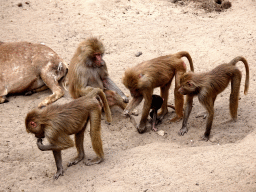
[
  {"x": 94, "y": 50},
  {"x": 133, "y": 82},
  {"x": 97, "y": 59},
  {"x": 35, "y": 128},
  {"x": 187, "y": 86},
  {"x": 33, "y": 124},
  {"x": 135, "y": 92}
]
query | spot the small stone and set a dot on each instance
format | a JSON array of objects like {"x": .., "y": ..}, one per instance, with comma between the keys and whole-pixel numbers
[
  {"x": 161, "y": 132},
  {"x": 138, "y": 54}
]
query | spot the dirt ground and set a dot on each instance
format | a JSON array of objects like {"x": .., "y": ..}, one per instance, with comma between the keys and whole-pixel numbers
[{"x": 136, "y": 162}]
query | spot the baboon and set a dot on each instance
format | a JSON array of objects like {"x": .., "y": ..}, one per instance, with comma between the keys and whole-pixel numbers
[
  {"x": 159, "y": 72},
  {"x": 208, "y": 85},
  {"x": 87, "y": 68},
  {"x": 57, "y": 122},
  {"x": 28, "y": 68},
  {"x": 156, "y": 104}
]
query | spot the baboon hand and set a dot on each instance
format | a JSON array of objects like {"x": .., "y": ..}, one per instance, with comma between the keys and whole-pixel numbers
[
  {"x": 142, "y": 128},
  {"x": 125, "y": 99},
  {"x": 58, "y": 173},
  {"x": 183, "y": 131},
  {"x": 40, "y": 143},
  {"x": 205, "y": 137}
]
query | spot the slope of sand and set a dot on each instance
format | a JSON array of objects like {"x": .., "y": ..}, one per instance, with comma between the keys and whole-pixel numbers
[{"x": 133, "y": 161}]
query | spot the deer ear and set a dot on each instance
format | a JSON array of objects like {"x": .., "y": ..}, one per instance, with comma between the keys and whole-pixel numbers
[{"x": 60, "y": 66}]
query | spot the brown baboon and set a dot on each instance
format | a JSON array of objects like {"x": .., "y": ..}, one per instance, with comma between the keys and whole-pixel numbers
[
  {"x": 87, "y": 68},
  {"x": 156, "y": 104},
  {"x": 208, "y": 85},
  {"x": 57, "y": 122},
  {"x": 28, "y": 68},
  {"x": 159, "y": 72}
]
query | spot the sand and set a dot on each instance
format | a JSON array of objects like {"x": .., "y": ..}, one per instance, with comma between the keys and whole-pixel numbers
[{"x": 136, "y": 162}]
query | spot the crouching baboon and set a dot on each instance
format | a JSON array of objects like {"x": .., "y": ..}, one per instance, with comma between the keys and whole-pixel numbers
[
  {"x": 159, "y": 72},
  {"x": 57, "y": 122},
  {"x": 87, "y": 68},
  {"x": 208, "y": 85}
]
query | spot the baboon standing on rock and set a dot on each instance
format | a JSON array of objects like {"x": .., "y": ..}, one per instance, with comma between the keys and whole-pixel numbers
[
  {"x": 159, "y": 72},
  {"x": 57, "y": 122},
  {"x": 87, "y": 68},
  {"x": 208, "y": 85}
]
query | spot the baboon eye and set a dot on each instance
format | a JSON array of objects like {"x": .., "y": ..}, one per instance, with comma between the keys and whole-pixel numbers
[{"x": 141, "y": 75}]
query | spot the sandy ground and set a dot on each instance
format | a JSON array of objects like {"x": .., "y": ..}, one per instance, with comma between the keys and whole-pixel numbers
[{"x": 136, "y": 162}]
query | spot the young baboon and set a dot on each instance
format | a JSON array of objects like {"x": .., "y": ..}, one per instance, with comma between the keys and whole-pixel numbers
[
  {"x": 208, "y": 85},
  {"x": 156, "y": 104},
  {"x": 57, "y": 122},
  {"x": 159, "y": 72},
  {"x": 87, "y": 68}
]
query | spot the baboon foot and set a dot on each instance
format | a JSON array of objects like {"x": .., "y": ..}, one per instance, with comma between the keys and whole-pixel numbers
[
  {"x": 182, "y": 131},
  {"x": 229, "y": 121},
  {"x": 205, "y": 137},
  {"x": 58, "y": 173},
  {"x": 75, "y": 161},
  {"x": 202, "y": 114},
  {"x": 97, "y": 160},
  {"x": 161, "y": 114},
  {"x": 175, "y": 119}
]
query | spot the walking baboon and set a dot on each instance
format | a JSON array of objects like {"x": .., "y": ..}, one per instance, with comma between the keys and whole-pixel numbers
[
  {"x": 159, "y": 72},
  {"x": 208, "y": 85}
]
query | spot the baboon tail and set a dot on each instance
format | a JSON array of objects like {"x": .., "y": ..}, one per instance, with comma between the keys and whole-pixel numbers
[
  {"x": 240, "y": 58},
  {"x": 186, "y": 54},
  {"x": 91, "y": 92},
  {"x": 105, "y": 105}
]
